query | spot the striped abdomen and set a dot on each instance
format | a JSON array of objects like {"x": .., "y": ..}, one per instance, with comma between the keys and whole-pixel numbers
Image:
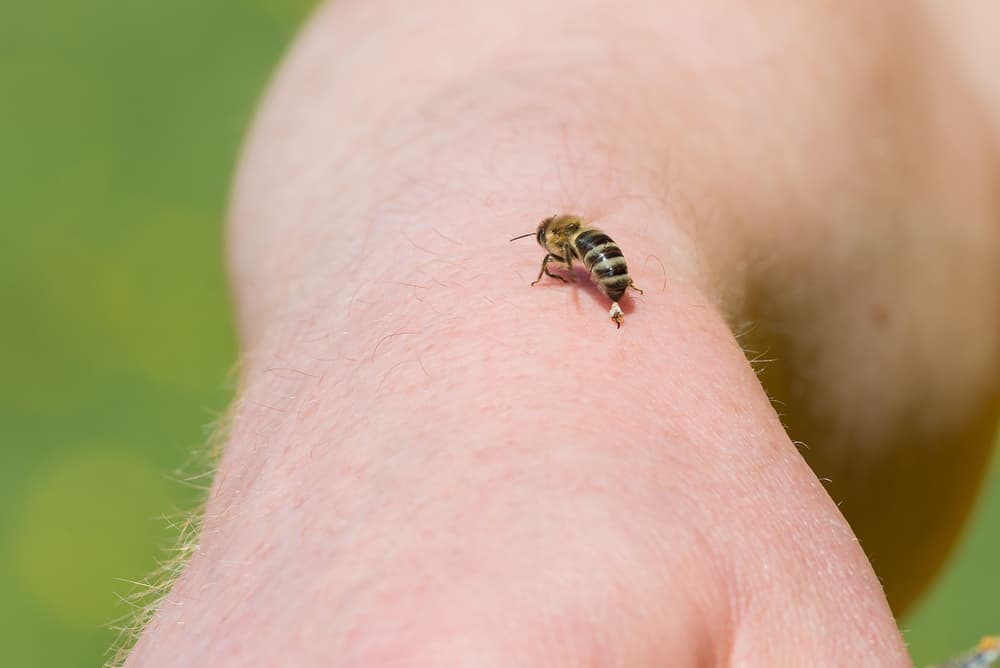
[{"x": 604, "y": 260}]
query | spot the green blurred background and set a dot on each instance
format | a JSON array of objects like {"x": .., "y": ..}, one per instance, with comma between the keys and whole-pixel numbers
[{"x": 121, "y": 122}]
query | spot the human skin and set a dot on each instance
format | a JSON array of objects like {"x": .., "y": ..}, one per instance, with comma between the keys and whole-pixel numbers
[{"x": 431, "y": 462}]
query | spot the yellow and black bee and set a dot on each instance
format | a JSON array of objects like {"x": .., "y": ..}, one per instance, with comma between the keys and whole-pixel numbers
[{"x": 567, "y": 237}]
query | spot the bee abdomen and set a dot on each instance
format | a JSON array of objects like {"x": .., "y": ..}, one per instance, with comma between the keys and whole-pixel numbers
[{"x": 604, "y": 260}]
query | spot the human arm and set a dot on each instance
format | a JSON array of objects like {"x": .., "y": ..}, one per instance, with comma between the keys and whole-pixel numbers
[{"x": 431, "y": 460}]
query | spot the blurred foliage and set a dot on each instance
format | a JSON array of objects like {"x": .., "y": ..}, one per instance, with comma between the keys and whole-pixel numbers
[
  {"x": 121, "y": 122},
  {"x": 119, "y": 127}
]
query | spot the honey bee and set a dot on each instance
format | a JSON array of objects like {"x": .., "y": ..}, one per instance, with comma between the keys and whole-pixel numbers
[{"x": 567, "y": 237}]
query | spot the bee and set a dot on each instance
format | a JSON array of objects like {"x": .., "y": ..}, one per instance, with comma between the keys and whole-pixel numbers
[{"x": 566, "y": 238}]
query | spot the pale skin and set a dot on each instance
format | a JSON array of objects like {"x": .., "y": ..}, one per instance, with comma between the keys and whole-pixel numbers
[{"x": 433, "y": 463}]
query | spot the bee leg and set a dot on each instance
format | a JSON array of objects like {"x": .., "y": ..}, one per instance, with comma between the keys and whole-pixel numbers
[
  {"x": 545, "y": 270},
  {"x": 632, "y": 285}
]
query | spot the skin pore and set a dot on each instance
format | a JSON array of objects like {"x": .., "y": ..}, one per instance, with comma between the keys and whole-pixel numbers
[{"x": 433, "y": 463}]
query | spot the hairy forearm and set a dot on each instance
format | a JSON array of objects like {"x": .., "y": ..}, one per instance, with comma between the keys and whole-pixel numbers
[
  {"x": 475, "y": 468},
  {"x": 429, "y": 458}
]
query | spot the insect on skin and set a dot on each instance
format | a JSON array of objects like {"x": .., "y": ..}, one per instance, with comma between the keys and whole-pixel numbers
[{"x": 566, "y": 238}]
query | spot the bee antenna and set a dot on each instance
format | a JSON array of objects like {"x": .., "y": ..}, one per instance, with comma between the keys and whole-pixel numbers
[{"x": 529, "y": 234}]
